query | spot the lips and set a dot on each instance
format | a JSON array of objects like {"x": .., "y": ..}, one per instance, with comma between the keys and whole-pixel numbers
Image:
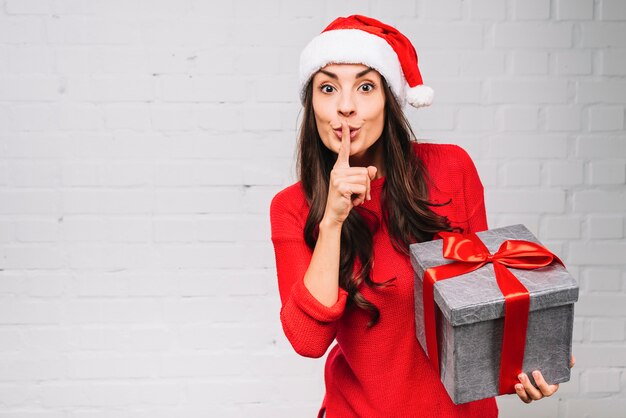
[{"x": 353, "y": 132}]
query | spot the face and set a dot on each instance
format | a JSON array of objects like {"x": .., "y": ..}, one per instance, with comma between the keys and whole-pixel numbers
[{"x": 351, "y": 93}]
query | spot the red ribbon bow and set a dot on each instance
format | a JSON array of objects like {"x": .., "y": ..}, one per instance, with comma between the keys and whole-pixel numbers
[{"x": 471, "y": 254}]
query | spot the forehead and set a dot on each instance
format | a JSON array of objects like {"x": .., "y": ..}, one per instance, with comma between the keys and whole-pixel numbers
[{"x": 347, "y": 71}]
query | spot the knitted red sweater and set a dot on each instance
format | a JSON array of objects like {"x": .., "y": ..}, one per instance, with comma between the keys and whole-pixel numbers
[{"x": 381, "y": 371}]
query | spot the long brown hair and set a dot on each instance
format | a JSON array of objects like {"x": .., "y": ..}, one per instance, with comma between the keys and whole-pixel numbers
[{"x": 405, "y": 206}]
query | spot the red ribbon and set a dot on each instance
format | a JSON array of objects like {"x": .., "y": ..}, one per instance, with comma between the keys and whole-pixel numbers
[{"x": 471, "y": 254}]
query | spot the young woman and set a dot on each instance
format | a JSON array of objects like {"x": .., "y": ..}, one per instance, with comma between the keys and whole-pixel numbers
[{"x": 341, "y": 234}]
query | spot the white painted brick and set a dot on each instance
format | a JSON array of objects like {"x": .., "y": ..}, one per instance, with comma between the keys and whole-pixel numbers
[
  {"x": 274, "y": 89},
  {"x": 564, "y": 173},
  {"x": 79, "y": 174},
  {"x": 522, "y": 173},
  {"x": 605, "y": 407},
  {"x": 28, "y": 7},
  {"x": 533, "y": 35},
  {"x": 605, "y": 226},
  {"x": 519, "y": 118},
  {"x": 613, "y": 10},
  {"x": 433, "y": 35},
  {"x": 31, "y": 59},
  {"x": 172, "y": 118},
  {"x": 439, "y": 117},
  {"x": 578, "y": 331},
  {"x": 445, "y": 10},
  {"x": 220, "y": 118},
  {"x": 607, "y": 330},
  {"x": 37, "y": 231},
  {"x": 305, "y": 9},
  {"x": 127, "y": 117},
  {"x": 455, "y": 91},
  {"x": 601, "y": 146},
  {"x": 608, "y": 91},
  {"x": 603, "y": 34},
  {"x": 29, "y": 117},
  {"x": 16, "y": 312},
  {"x": 91, "y": 201},
  {"x": 574, "y": 9},
  {"x": 527, "y": 92},
  {"x": 35, "y": 145},
  {"x": 81, "y": 117},
  {"x": 27, "y": 88},
  {"x": 265, "y": 118},
  {"x": 606, "y": 118},
  {"x": 6, "y": 231},
  {"x": 573, "y": 62},
  {"x": 530, "y": 62},
  {"x": 21, "y": 30},
  {"x": 598, "y": 252},
  {"x": 88, "y": 30},
  {"x": 488, "y": 9},
  {"x": 382, "y": 8},
  {"x": 608, "y": 172},
  {"x": 531, "y": 221},
  {"x": 563, "y": 118},
  {"x": 531, "y": 9},
  {"x": 82, "y": 229},
  {"x": 522, "y": 201},
  {"x": 482, "y": 63},
  {"x": 488, "y": 172},
  {"x": 433, "y": 63},
  {"x": 345, "y": 8},
  {"x": 528, "y": 146},
  {"x": 561, "y": 227},
  {"x": 476, "y": 118},
  {"x": 602, "y": 381},
  {"x": 613, "y": 62},
  {"x": 256, "y": 9},
  {"x": 34, "y": 174},
  {"x": 29, "y": 202},
  {"x": 602, "y": 279},
  {"x": 599, "y": 201}
]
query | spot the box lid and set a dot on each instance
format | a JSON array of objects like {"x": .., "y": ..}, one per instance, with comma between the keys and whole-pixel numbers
[{"x": 475, "y": 296}]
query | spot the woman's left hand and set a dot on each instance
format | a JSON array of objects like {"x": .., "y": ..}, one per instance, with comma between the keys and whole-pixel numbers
[{"x": 528, "y": 393}]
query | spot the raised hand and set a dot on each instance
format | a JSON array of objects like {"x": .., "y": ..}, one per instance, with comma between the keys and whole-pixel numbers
[{"x": 348, "y": 186}]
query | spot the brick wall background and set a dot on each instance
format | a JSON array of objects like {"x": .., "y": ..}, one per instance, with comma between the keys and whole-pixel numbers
[{"x": 142, "y": 140}]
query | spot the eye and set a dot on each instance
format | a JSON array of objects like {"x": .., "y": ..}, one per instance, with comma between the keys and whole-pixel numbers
[
  {"x": 366, "y": 87},
  {"x": 327, "y": 88}
]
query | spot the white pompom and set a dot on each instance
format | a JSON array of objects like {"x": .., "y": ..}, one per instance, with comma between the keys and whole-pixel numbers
[{"x": 420, "y": 96}]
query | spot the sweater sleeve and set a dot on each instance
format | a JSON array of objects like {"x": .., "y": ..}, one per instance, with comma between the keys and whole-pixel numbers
[
  {"x": 474, "y": 194},
  {"x": 309, "y": 325}
]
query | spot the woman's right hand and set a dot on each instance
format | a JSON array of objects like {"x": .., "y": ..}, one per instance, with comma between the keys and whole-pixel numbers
[{"x": 348, "y": 186}]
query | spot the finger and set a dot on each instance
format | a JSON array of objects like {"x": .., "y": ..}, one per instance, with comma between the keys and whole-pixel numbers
[
  {"x": 355, "y": 192},
  {"x": 572, "y": 361},
  {"x": 371, "y": 173},
  {"x": 343, "y": 156},
  {"x": 532, "y": 391},
  {"x": 519, "y": 389},
  {"x": 544, "y": 387}
]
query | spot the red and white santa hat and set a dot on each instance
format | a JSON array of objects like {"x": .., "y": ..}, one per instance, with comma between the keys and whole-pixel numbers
[{"x": 360, "y": 39}]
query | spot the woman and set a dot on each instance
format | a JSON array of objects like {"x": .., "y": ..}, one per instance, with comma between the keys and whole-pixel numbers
[{"x": 341, "y": 234}]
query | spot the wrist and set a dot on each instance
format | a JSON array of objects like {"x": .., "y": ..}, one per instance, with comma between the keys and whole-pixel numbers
[{"x": 330, "y": 225}]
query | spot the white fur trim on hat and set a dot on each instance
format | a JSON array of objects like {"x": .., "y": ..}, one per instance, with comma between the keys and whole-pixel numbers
[
  {"x": 420, "y": 96},
  {"x": 352, "y": 46}
]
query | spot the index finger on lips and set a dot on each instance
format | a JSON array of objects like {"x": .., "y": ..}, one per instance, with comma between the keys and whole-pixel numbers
[{"x": 343, "y": 156}]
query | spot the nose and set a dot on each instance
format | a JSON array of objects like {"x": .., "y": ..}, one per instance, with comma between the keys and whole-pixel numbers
[{"x": 346, "y": 107}]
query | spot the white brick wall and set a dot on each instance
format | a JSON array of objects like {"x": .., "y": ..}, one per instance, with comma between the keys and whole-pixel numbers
[{"x": 141, "y": 142}]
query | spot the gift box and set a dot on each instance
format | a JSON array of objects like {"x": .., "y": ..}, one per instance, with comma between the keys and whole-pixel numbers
[{"x": 465, "y": 314}]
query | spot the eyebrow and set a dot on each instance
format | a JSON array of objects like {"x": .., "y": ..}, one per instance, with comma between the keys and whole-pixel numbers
[{"x": 334, "y": 76}]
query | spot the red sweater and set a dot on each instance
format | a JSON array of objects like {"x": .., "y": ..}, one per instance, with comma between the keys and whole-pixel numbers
[{"x": 381, "y": 371}]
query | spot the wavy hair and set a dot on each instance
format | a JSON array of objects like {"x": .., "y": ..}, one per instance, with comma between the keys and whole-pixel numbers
[{"x": 405, "y": 206}]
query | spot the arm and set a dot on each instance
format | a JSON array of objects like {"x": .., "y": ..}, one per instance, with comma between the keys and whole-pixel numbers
[{"x": 308, "y": 324}]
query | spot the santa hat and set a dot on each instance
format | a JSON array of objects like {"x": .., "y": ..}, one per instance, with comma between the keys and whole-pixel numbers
[{"x": 360, "y": 39}]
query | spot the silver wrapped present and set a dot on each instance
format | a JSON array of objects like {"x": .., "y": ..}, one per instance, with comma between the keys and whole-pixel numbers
[{"x": 470, "y": 318}]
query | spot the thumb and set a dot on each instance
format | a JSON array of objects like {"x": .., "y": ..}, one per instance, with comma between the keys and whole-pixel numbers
[{"x": 371, "y": 172}]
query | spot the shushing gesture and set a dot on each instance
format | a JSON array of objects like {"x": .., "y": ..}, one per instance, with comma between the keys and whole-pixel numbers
[{"x": 348, "y": 186}]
